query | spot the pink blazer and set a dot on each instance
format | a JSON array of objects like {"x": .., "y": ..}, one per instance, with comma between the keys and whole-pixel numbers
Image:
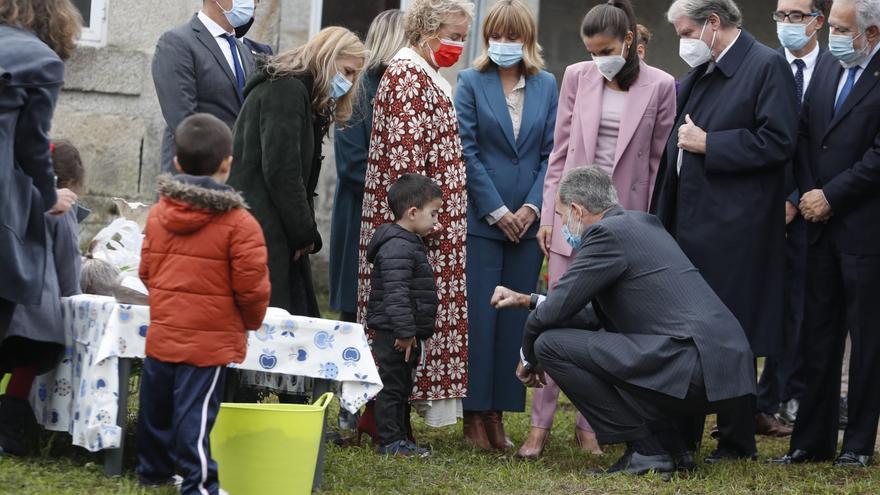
[{"x": 644, "y": 130}]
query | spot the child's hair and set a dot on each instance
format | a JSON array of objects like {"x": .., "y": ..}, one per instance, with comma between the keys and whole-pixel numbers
[
  {"x": 68, "y": 164},
  {"x": 203, "y": 142},
  {"x": 411, "y": 190}
]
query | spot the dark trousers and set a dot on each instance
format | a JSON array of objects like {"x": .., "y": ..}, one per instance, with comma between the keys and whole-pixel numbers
[
  {"x": 392, "y": 402},
  {"x": 782, "y": 378},
  {"x": 178, "y": 406},
  {"x": 736, "y": 426},
  {"x": 619, "y": 411},
  {"x": 7, "y": 308},
  {"x": 841, "y": 295}
]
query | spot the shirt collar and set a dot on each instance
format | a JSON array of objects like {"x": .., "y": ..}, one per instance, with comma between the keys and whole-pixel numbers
[
  {"x": 407, "y": 53},
  {"x": 213, "y": 28},
  {"x": 809, "y": 59},
  {"x": 521, "y": 84},
  {"x": 722, "y": 54}
]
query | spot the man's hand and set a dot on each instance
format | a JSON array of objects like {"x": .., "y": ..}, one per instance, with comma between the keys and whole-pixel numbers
[
  {"x": 504, "y": 298},
  {"x": 511, "y": 226},
  {"x": 691, "y": 138},
  {"x": 791, "y": 212},
  {"x": 526, "y": 217},
  {"x": 406, "y": 346},
  {"x": 545, "y": 235},
  {"x": 438, "y": 228},
  {"x": 814, "y": 207},
  {"x": 299, "y": 253},
  {"x": 532, "y": 377},
  {"x": 66, "y": 200}
]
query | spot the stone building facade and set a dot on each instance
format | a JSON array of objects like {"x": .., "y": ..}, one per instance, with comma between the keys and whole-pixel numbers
[{"x": 109, "y": 108}]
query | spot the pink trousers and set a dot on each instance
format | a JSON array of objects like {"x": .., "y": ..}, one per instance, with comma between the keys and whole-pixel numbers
[{"x": 545, "y": 399}]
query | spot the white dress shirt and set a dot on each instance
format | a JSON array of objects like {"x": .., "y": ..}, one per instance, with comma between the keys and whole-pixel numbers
[
  {"x": 862, "y": 66},
  {"x": 809, "y": 59},
  {"x": 218, "y": 33}
]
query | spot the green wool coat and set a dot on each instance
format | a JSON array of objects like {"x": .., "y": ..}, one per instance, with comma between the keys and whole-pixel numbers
[{"x": 276, "y": 163}]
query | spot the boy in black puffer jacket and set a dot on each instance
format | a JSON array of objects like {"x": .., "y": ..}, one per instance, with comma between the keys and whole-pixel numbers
[{"x": 403, "y": 303}]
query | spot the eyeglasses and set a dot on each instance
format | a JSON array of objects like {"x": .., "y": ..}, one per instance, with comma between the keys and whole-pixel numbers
[{"x": 795, "y": 17}]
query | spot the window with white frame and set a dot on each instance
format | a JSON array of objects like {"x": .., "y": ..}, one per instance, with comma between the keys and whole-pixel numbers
[
  {"x": 94, "y": 14},
  {"x": 355, "y": 16}
]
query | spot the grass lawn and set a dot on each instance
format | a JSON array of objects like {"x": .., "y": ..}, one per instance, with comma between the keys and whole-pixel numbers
[{"x": 456, "y": 469}]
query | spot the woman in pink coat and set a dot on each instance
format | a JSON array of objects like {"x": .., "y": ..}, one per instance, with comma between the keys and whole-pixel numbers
[{"x": 615, "y": 112}]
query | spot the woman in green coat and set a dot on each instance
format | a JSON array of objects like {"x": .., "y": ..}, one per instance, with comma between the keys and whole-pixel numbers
[{"x": 290, "y": 103}]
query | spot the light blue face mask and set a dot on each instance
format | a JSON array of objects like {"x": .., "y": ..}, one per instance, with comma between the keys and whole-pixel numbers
[
  {"x": 793, "y": 36},
  {"x": 841, "y": 46},
  {"x": 572, "y": 239},
  {"x": 505, "y": 54},
  {"x": 241, "y": 13},
  {"x": 339, "y": 87}
]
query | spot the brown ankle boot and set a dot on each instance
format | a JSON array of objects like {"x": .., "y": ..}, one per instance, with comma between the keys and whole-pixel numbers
[
  {"x": 474, "y": 431},
  {"x": 495, "y": 430}
]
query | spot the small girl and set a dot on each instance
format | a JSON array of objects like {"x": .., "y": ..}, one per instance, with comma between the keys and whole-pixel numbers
[{"x": 36, "y": 336}]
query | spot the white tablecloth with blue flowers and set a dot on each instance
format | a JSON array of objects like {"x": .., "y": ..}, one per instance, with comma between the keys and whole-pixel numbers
[{"x": 81, "y": 395}]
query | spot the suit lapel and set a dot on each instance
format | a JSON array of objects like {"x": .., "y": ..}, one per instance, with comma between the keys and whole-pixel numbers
[
  {"x": 636, "y": 103},
  {"x": 494, "y": 92},
  {"x": 210, "y": 43},
  {"x": 863, "y": 86},
  {"x": 246, "y": 56},
  {"x": 531, "y": 108},
  {"x": 588, "y": 105}
]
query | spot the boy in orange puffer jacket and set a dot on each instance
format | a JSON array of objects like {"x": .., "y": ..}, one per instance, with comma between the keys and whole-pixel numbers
[{"x": 204, "y": 262}]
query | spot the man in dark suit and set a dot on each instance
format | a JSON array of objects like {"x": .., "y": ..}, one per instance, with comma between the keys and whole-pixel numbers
[
  {"x": 723, "y": 194},
  {"x": 202, "y": 67},
  {"x": 670, "y": 347},
  {"x": 781, "y": 383},
  {"x": 838, "y": 174}
]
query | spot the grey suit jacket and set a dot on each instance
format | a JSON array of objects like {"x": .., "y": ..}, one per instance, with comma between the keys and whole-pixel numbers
[
  {"x": 651, "y": 301},
  {"x": 191, "y": 75}
]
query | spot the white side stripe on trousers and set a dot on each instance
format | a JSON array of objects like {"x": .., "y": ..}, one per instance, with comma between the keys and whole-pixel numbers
[{"x": 203, "y": 458}]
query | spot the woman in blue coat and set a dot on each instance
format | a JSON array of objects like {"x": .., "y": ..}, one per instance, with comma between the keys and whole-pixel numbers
[
  {"x": 384, "y": 38},
  {"x": 507, "y": 112}
]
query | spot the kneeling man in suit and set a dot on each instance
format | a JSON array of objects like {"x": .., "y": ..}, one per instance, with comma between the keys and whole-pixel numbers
[{"x": 632, "y": 333}]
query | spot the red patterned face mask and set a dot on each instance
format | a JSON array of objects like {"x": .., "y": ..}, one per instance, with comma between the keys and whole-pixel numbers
[{"x": 448, "y": 53}]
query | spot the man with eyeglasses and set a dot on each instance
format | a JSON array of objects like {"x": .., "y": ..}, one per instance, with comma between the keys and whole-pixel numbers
[
  {"x": 838, "y": 174},
  {"x": 781, "y": 385}
]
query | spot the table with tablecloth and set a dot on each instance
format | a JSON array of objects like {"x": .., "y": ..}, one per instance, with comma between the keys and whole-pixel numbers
[{"x": 81, "y": 396}]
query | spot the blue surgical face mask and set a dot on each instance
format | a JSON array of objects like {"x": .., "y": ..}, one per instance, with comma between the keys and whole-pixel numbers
[
  {"x": 241, "y": 13},
  {"x": 505, "y": 54},
  {"x": 841, "y": 46},
  {"x": 793, "y": 36},
  {"x": 572, "y": 239},
  {"x": 339, "y": 87}
]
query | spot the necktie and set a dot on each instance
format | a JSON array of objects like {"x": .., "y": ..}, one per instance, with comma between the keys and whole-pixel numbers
[
  {"x": 799, "y": 79},
  {"x": 847, "y": 87},
  {"x": 239, "y": 72}
]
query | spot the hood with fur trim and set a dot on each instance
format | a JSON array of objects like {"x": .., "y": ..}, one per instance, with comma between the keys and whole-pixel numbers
[{"x": 187, "y": 203}]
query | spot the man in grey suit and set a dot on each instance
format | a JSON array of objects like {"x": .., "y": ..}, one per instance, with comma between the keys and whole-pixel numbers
[
  {"x": 202, "y": 67},
  {"x": 670, "y": 348}
]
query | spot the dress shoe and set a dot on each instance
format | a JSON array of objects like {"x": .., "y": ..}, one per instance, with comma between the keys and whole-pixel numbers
[
  {"x": 852, "y": 460},
  {"x": 844, "y": 412},
  {"x": 533, "y": 447},
  {"x": 637, "y": 464},
  {"x": 769, "y": 426},
  {"x": 788, "y": 411},
  {"x": 587, "y": 441},
  {"x": 796, "y": 456},
  {"x": 684, "y": 462},
  {"x": 722, "y": 454},
  {"x": 494, "y": 424},
  {"x": 474, "y": 430}
]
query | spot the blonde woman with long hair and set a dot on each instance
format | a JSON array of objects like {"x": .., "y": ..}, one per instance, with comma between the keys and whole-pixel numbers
[
  {"x": 415, "y": 130},
  {"x": 290, "y": 103}
]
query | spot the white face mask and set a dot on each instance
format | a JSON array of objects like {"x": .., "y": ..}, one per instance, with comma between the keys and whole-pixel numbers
[
  {"x": 696, "y": 52},
  {"x": 611, "y": 65}
]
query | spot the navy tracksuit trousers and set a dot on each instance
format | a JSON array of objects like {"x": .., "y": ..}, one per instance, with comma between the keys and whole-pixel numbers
[{"x": 178, "y": 406}]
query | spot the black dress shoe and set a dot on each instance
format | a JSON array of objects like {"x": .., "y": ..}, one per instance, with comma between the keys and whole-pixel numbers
[
  {"x": 796, "y": 456},
  {"x": 637, "y": 464},
  {"x": 722, "y": 454},
  {"x": 684, "y": 462},
  {"x": 852, "y": 460}
]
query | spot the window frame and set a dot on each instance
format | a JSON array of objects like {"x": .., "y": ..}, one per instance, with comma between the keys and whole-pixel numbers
[{"x": 96, "y": 34}]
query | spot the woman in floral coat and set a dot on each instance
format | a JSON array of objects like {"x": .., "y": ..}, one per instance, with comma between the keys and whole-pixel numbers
[{"x": 415, "y": 129}]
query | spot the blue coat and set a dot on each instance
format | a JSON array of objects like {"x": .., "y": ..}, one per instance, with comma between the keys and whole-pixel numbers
[
  {"x": 27, "y": 181},
  {"x": 351, "y": 146},
  {"x": 501, "y": 170}
]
